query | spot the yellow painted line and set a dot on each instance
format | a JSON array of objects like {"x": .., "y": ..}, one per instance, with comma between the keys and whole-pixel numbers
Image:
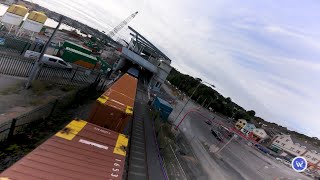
[
  {"x": 121, "y": 145},
  {"x": 103, "y": 99},
  {"x": 71, "y": 130}
]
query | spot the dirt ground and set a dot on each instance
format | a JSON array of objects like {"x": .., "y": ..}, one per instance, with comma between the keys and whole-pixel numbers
[
  {"x": 35, "y": 134},
  {"x": 15, "y": 99}
]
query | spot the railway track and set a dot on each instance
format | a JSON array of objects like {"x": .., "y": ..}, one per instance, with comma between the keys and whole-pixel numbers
[{"x": 137, "y": 166}]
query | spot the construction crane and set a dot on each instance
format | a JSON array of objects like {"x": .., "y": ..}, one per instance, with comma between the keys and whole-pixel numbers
[{"x": 121, "y": 25}]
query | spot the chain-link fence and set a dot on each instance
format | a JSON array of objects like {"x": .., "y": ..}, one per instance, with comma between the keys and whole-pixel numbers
[
  {"x": 15, "y": 65},
  {"x": 77, "y": 76},
  {"x": 14, "y": 126},
  {"x": 18, "y": 45}
]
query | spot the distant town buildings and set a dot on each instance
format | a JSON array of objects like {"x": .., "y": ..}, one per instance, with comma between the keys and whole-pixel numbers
[
  {"x": 240, "y": 124},
  {"x": 284, "y": 145},
  {"x": 258, "y": 135},
  {"x": 248, "y": 128}
]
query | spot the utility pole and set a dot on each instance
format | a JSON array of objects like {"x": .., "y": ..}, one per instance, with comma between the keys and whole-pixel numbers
[
  {"x": 225, "y": 144},
  {"x": 37, "y": 66},
  {"x": 198, "y": 98},
  {"x": 200, "y": 81},
  {"x": 187, "y": 101},
  {"x": 204, "y": 102}
]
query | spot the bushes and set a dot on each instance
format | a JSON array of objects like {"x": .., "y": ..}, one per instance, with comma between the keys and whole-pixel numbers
[
  {"x": 163, "y": 130},
  {"x": 39, "y": 87}
]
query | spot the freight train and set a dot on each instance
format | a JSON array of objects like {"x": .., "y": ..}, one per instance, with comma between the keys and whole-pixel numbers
[{"x": 94, "y": 149}]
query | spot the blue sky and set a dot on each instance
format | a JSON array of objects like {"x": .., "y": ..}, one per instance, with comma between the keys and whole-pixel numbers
[{"x": 263, "y": 54}]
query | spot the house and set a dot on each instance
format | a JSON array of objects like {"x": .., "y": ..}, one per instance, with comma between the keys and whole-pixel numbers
[
  {"x": 240, "y": 124},
  {"x": 258, "y": 134},
  {"x": 313, "y": 157},
  {"x": 284, "y": 143},
  {"x": 248, "y": 128}
]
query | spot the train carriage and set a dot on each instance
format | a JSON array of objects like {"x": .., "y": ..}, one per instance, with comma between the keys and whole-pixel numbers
[
  {"x": 79, "y": 151},
  {"x": 114, "y": 108}
]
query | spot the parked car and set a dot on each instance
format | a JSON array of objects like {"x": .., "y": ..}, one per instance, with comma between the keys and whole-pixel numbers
[
  {"x": 217, "y": 135},
  {"x": 263, "y": 149},
  {"x": 53, "y": 44},
  {"x": 208, "y": 122},
  {"x": 279, "y": 159},
  {"x": 286, "y": 162},
  {"x": 225, "y": 132},
  {"x": 55, "y": 61}
]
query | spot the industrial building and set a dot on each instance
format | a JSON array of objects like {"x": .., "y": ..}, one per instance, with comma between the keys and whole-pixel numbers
[{"x": 154, "y": 66}]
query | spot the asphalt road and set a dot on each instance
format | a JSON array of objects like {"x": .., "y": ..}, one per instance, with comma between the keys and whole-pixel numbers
[{"x": 237, "y": 160}]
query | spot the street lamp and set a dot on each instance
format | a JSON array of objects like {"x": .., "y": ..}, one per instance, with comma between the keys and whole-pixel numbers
[{"x": 191, "y": 97}]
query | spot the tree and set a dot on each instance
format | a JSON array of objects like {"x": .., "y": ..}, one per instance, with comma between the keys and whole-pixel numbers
[
  {"x": 228, "y": 100},
  {"x": 251, "y": 113}
]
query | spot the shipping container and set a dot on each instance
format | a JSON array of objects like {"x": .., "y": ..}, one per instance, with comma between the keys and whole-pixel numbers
[
  {"x": 80, "y": 58},
  {"x": 114, "y": 108},
  {"x": 77, "y": 47},
  {"x": 103, "y": 66},
  {"x": 79, "y": 151},
  {"x": 133, "y": 71},
  {"x": 163, "y": 107}
]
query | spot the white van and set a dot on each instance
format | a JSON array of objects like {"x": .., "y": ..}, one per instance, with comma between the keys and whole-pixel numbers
[{"x": 55, "y": 61}]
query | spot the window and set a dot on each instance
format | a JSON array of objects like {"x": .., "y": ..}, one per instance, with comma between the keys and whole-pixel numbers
[
  {"x": 308, "y": 156},
  {"x": 277, "y": 141},
  {"x": 281, "y": 137},
  {"x": 52, "y": 60},
  {"x": 63, "y": 63},
  {"x": 261, "y": 133},
  {"x": 291, "y": 148},
  {"x": 287, "y": 140},
  {"x": 298, "y": 151},
  {"x": 314, "y": 159},
  {"x": 283, "y": 144}
]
